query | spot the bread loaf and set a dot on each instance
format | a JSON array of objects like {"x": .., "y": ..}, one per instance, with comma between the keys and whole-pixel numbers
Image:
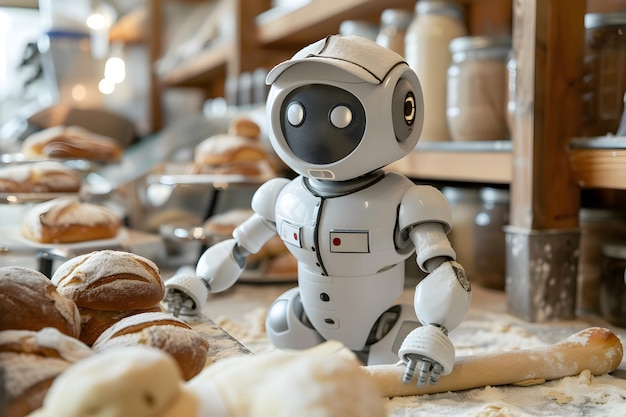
[
  {"x": 31, "y": 360},
  {"x": 225, "y": 149},
  {"x": 110, "y": 280},
  {"x": 71, "y": 142},
  {"x": 244, "y": 126},
  {"x": 162, "y": 331},
  {"x": 68, "y": 220},
  {"x": 95, "y": 322},
  {"x": 39, "y": 177},
  {"x": 30, "y": 301}
]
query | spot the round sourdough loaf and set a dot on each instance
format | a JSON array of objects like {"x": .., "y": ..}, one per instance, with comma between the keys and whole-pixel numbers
[
  {"x": 30, "y": 301},
  {"x": 69, "y": 220},
  {"x": 31, "y": 360},
  {"x": 163, "y": 331},
  {"x": 110, "y": 280}
]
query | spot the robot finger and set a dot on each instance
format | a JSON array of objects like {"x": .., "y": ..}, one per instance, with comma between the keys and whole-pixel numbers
[
  {"x": 410, "y": 369},
  {"x": 436, "y": 373},
  {"x": 425, "y": 372}
]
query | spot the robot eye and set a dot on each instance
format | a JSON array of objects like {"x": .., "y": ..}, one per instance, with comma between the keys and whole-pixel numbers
[
  {"x": 295, "y": 114},
  {"x": 341, "y": 117},
  {"x": 409, "y": 108}
]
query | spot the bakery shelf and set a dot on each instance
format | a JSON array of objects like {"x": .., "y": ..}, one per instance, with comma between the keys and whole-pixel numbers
[
  {"x": 206, "y": 68},
  {"x": 599, "y": 162},
  {"x": 480, "y": 161},
  {"x": 288, "y": 26}
]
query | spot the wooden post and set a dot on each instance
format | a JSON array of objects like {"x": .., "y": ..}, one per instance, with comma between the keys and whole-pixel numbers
[{"x": 548, "y": 39}]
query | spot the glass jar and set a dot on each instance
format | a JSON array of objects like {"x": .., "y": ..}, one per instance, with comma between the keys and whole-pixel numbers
[
  {"x": 490, "y": 239},
  {"x": 465, "y": 205},
  {"x": 359, "y": 28},
  {"x": 604, "y": 80},
  {"x": 393, "y": 26},
  {"x": 426, "y": 49},
  {"x": 476, "y": 92},
  {"x": 613, "y": 284},
  {"x": 598, "y": 227}
]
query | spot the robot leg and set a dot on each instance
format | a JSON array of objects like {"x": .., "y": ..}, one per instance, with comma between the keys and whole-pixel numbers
[
  {"x": 286, "y": 324},
  {"x": 388, "y": 333}
]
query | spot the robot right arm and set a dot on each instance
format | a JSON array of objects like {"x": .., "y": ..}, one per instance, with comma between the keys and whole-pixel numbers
[{"x": 220, "y": 266}]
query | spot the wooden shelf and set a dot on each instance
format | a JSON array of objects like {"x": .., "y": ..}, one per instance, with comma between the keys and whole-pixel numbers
[
  {"x": 484, "y": 162},
  {"x": 599, "y": 162},
  {"x": 206, "y": 68},
  {"x": 296, "y": 27}
]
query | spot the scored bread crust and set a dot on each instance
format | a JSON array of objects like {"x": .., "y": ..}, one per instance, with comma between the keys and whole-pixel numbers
[
  {"x": 163, "y": 331},
  {"x": 110, "y": 280},
  {"x": 71, "y": 142},
  {"x": 95, "y": 322},
  {"x": 39, "y": 177},
  {"x": 30, "y": 301},
  {"x": 69, "y": 220}
]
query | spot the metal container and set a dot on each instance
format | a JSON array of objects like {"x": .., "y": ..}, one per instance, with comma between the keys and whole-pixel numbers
[{"x": 613, "y": 284}]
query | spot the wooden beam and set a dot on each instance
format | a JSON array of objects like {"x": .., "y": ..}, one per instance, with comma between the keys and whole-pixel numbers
[{"x": 548, "y": 37}]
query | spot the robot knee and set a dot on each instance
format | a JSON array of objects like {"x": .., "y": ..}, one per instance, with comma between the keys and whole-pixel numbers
[{"x": 286, "y": 323}]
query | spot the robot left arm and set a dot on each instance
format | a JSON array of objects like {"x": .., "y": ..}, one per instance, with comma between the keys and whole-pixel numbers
[
  {"x": 220, "y": 266},
  {"x": 442, "y": 299}
]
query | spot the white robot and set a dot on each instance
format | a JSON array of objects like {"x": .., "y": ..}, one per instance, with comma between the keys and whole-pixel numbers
[{"x": 338, "y": 111}]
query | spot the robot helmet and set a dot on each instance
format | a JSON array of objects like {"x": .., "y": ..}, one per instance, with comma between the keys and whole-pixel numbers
[{"x": 342, "y": 107}]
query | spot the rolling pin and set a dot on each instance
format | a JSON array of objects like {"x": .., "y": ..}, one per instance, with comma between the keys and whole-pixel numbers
[{"x": 595, "y": 349}]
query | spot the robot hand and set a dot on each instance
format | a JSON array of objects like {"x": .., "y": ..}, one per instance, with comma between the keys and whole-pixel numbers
[
  {"x": 218, "y": 268},
  {"x": 430, "y": 345},
  {"x": 442, "y": 301}
]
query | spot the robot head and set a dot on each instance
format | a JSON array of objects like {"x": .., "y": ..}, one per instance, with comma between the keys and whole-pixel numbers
[{"x": 343, "y": 107}]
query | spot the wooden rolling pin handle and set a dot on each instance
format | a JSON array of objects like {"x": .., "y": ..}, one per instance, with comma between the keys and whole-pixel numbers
[{"x": 595, "y": 349}]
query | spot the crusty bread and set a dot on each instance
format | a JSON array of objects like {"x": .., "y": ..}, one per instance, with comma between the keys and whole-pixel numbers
[
  {"x": 31, "y": 361},
  {"x": 162, "y": 331},
  {"x": 69, "y": 220},
  {"x": 243, "y": 126},
  {"x": 95, "y": 322},
  {"x": 39, "y": 177},
  {"x": 110, "y": 280},
  {"x": 29, "y": 301},
  {"x": 71, "y": 142},
  {"x": 224, "y": 149}
]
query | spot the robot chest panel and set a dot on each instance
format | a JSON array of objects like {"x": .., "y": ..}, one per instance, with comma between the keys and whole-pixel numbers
[{"x": 346, "y": 235}]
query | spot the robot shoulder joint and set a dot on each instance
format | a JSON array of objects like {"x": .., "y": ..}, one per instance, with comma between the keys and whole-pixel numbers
[
  {"x": 264, "y": 198},
  {"x": 424, "y": 204}
]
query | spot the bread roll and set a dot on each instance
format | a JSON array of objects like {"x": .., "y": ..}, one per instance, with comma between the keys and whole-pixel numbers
[
  {"x": 39, "y": 177},
  {"x": 95, "y": 322},
  {"x": 162, "y": 331},
  {"x": 31, "y": 361},
  {"x": 68, "y": 220},
  {"x": 110, "y": 280},
  {"x": 243, "y": 126},
  {"x": 30, "y": 301},
  {"x": 225, "y": 149},
  {"x": 71, "y": 142}
]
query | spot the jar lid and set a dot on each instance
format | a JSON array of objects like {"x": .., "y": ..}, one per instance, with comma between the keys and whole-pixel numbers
[
  {"x": 596, "y": 20},
  {"x": 446, "y": 8},
  {"x": 502, "y": 44},
  {"x": 614, "y": 250},
  {"x": 494, "y": 195},
  {"x": 399, "y": 18},
  {"x": 454, "y": 194}
]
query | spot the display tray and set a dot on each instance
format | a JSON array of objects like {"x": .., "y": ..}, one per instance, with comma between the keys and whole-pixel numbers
[
  {"x": 29, "y": 198},
  {"x": 13, "y": 241},
  {"x": 177, "y": 173}
]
